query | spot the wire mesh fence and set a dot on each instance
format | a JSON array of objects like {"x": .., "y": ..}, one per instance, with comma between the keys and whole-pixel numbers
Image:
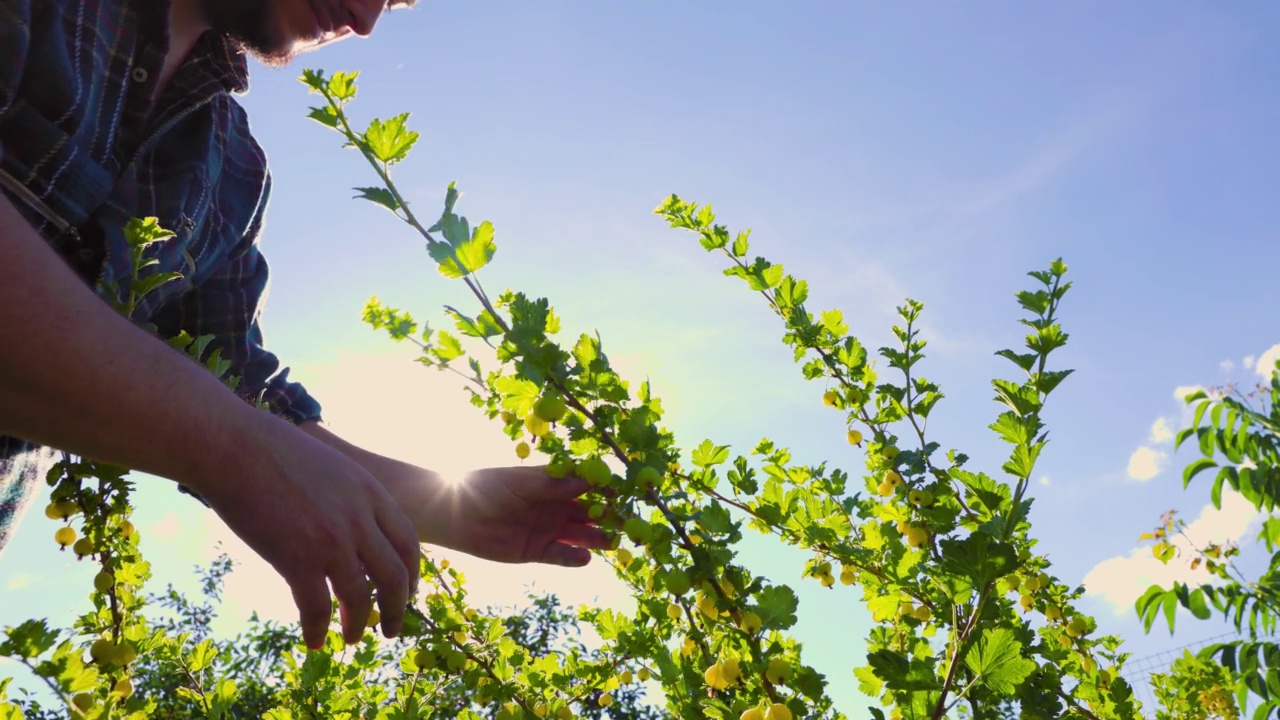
[{"x": 1138, "y": 671}]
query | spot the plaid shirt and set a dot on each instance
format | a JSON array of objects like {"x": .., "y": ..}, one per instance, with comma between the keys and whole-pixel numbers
[{"x": 83, "y": 148}]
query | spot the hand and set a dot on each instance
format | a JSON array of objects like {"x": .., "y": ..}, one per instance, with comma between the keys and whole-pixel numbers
[
  {"x": 508, "y": 514},
  {"x": 315, "y": 515}
]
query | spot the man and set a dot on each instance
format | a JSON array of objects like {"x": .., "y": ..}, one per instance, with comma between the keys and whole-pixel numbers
[{"x": 111, "y": 109}]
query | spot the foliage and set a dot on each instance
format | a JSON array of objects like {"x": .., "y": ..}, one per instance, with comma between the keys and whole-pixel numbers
[
  {"x": 1238, "y": 435},
  {"x": 1195, "y": 689},
  {"x": 968, "y": 619}
]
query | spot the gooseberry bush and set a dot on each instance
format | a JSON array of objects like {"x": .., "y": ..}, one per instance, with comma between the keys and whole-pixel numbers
[{"x": 968, "y": 619}]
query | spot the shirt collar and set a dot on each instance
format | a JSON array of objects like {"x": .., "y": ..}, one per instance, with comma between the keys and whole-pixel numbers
[
  {"x": 217, "y": 55},
  {"x": 226, "y": 61}
]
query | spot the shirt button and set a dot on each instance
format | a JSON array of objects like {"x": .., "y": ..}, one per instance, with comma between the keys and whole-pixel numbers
[{"x": 140, "y": 75}]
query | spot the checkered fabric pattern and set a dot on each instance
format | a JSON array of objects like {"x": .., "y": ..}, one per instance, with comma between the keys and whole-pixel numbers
[{"x": 85, "y": 145}]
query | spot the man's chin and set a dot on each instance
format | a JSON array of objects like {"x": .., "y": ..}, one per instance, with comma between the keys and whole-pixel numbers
[
  {"x": 271, "y": 56},
  {"x": 277, "y": 56}
]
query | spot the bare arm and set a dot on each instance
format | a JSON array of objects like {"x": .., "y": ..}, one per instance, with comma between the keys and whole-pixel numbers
[{"x": 77, "y": 376}]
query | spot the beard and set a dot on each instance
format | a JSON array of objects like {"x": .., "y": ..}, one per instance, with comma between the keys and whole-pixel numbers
[{"x": 253, "y": 25}]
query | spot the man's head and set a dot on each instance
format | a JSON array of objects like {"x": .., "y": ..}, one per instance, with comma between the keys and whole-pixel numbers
[{"x": 274, "y": 31}]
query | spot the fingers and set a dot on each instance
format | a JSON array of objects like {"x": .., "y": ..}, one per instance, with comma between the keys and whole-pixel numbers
[
  {"x": 558, "y": 553},
  {"x": 354, "y": 602},
  {"x": 565, "y": 488},
  {"x": 403, "y": 536},
  {"x": 585, "y": 536},
  {"x": 315, "y": 608},
  {"x": 388, "y": 567}
]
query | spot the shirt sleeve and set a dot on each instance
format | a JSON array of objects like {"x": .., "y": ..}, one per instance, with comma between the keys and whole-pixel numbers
[{"x": 228, "y": 305}]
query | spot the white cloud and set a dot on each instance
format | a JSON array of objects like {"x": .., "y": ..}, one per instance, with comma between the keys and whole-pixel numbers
[
  {"x": 1181, "y": 392},
  {"x": 1044, "y": 480},
  {"x": 1122, "y": 580},
  {"x": 1146, "y": 463},
  {"x": 1161, "y": 433},
  {"x": 1226, "y": 366},
  {"x": 1267, "y": 361},
  {"x": 1249, "y": 361}
]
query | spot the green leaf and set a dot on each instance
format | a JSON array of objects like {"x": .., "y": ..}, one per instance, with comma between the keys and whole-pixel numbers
[
  {"x": 313, "y": 79},
  {"x": 381, "y": 196},
  {"x": 883, "y": 607},
  {"x": 1021, "y": 399},
  {"x": 1196, "y": 468},
  {"x": 1196, "y": 604},
  {"x": 740, "y": 244},
  {"x": 202, "y": 656},
  {"x": 1024, "y": 361},
  {"x": 342, "y": 86},
  {"x": 1012, "y": 429},
  {"x": 461, "y": 257},
  {"x": 390, "y": 140},
  {"x": 979, "y": 558},
  {"x": 868, "y": 683},
  {"x": 483, "y": 326},
  {"x": 1170, "y": 609},
  {"x": 997, "y": 659},
  {"x": 28, "y": 640},
  {"x": 709, "y": 455},
  {"x": 901, "y": 673},
  {"x": 518, "y": 394},
  {"x": 1270, "y": 533},
  {"x": 141, "y": 232},
  {"x": 777, "y": 607},
  {"x": 326, "y": 116},
  {"x": 447, "y": 347},
  {"x": 145, "y": 286},
  {"x": 1148, "y": 606}
]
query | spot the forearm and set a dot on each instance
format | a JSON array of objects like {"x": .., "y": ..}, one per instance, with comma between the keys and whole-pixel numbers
[{"x": 77, "y": 376}]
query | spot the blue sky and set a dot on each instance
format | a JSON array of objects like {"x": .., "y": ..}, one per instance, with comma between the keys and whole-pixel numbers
[{"x": 879, "y": 151}]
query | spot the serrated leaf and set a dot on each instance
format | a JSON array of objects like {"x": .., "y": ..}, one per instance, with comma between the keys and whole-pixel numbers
[
  {"x": 709, "y": 455},
  {"x": 997, "y": 659},
  {"x": 390, "y": 140},
  {"x": 518, "y": 394},
  {"x": 326, "y": 116},
  {"x": 447, "y": 347},
  {"x": 777, "y": 607},
  {"x": 342, "y": 86},
  {"x": 979, "y": 558},
  {"x": 458, "y": 258},
  {"x": 381, "y": 196},
  {"x": 868, "y": 683}
]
